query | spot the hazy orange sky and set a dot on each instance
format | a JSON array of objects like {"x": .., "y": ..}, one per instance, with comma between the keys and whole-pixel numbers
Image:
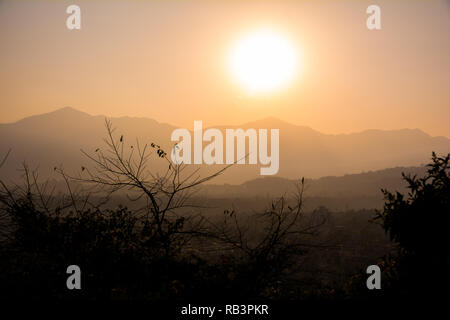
[{"x": 167, "y": 60}]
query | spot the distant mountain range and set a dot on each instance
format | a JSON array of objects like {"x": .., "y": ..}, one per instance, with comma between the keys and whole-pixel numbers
[{"x": 56, "y": 138}]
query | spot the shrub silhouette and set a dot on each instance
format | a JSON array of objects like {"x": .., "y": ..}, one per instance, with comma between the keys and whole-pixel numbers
[{"x": 418, "y": 224}]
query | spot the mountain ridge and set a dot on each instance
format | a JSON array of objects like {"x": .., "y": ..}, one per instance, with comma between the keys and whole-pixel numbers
[
  {"x": 70, "y": 111},
  {"x": 56, "y": 138}
]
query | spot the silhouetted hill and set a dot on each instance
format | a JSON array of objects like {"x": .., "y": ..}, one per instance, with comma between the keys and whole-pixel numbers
[
  {"x": 348, "y": 192},
  {"x": 56, "y": 138},
  {"x": 350, "y": 185}
]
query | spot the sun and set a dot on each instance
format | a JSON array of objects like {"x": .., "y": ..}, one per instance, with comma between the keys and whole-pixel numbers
[{"x": 263, "y": 61}]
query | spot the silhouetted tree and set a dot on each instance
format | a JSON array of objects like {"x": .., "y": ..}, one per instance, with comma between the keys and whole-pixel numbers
[
  {"x": 419, "y": 225},
  {"x": 267, "y": 246},
  {"x": 134, "y": 254},
  {"x": 120, "y": 166}
]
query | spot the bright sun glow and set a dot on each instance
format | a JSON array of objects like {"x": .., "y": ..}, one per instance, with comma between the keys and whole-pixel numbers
[{"x": 263, "y": 61}]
